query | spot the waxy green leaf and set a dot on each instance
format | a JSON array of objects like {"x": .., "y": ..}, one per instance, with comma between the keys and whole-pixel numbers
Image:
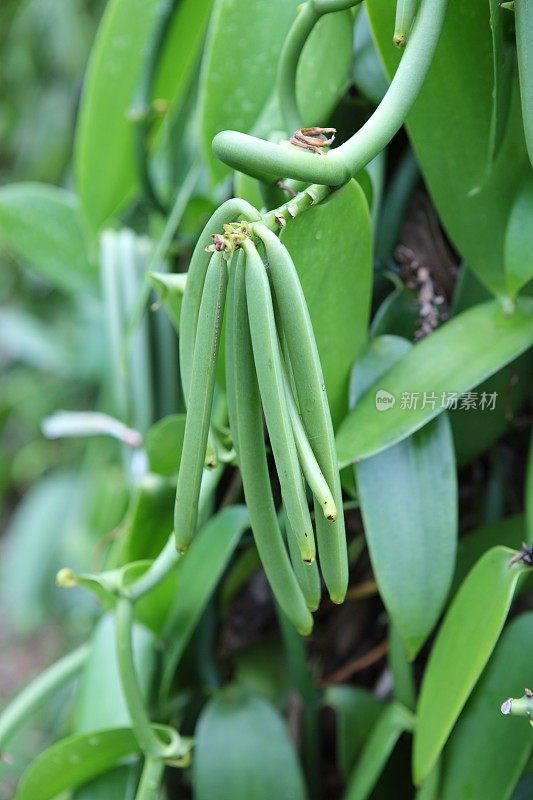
[
  {"x": 234, "y": 87},
  {"x": 504, "y": 61},
  {"x": 411, "y": 529},
  {"x": 463, "y": 646},
  {"x": 44, "y": 226},
  {"x": 244, "y": 752},
  {"x": 198, "y": 573},
  {"x": 331, "y": 246},
  {"x": 74, "y": 761},
  {"x": 524, "y": 47},
  {"x": 449, "y": 362},
  {"x": 449, "y": 127},
  {"x": 519, "y": 240},
  {"x": 393, "y": 721},
  {"x": 485, "y": 737},
  {"x": 356, "y": 711},
  {"x": 104, "y": 154},
  {"x": 163, "y": 444}
]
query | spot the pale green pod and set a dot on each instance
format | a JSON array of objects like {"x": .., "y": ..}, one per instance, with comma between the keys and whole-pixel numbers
[
  {"x": 311, "y": 470},
  {"x": 190, "y": 309},
  {"x": 230, "y": 346},
  {"x": 405, "y": 15},
  {"x": 313, "y": 405},
  {"x": 251, "y": 453},
  {"x": 201, "y": 399},
  {"x": 268, "y": 365},
  {"x": 307, "y": 575}
]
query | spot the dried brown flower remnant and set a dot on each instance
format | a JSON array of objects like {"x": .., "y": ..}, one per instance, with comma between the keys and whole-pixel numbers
[{"x": 314, "y": 139}]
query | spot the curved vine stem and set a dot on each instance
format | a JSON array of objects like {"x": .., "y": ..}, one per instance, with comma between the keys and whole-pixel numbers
[
  {"x": 36, "y": 692},
  {"x": 143, "y": 112},
  {"x": 268, "y": 161},
  {"x": 299, "y": 33}
]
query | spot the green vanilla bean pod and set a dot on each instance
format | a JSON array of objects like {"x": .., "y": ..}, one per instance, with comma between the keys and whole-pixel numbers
[
  {"x": 313, "y": 404},
  {"x": 405, "y": 15},
  {"x": 311, "y": 470},
  {"x": 200, "y": 401},
  {"x": 307, "y": 575},
  {"x": 192, "y": 296},
  {"x": 251, "y": 453},
  {"x": 236, "y": 267},
  {"x": 269, "y": 371},
  {"x": 523, "y": 11}
]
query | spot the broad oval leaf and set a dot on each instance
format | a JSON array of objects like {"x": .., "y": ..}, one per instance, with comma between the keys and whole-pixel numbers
[
  {"x": 524, "y": 47},
  {"x": 234, "y": 87},
  {"x": 331, "y": 246},
  {"x": 449, "y": 126},
  {"x": 163, "y": 444},
  {"x": 244, "y": 752},
  {"x": 198, "y": 573},
  {"x": 392, "y": 722},
  {"x": 356, "y": 711},
  {"x": 449, "y": 362},
  {"x": 519, "y": 240},
  {"x": 463, "y": 646},
  {"x": 104, "y": 155},
  {"x": 43, "y": 225},
  {"x": 74, "y": 761},
  {"x": 408, "y": 499},
  {"x": 100, "y": 700},
  {"x": 484, "y": 737}
]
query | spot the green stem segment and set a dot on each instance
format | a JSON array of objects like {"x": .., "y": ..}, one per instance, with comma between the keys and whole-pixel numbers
[
  {"x": 150, "y": 779},
  {"x": 268, "y": 161},
  {"x": 39, "y": 690},
  {"x": 142, "y": 106},
  {"x": 521, "y": 707},
  {"x": 246, "y": 419},
  {"x": 148, "y": 741},
  {"x": 200, "y": 402}
]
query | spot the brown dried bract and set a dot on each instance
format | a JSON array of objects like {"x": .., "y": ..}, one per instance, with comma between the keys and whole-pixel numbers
[{"x": 314, "y": 139}]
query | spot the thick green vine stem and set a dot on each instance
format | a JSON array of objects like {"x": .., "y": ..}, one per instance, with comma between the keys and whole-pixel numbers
[
  {"x": 142, "y": 727},
  {"x": 521, "y": 707},
  {"x": 150, "y": 779},
  {"x": 36, "y": 692},
  {"x": 273, "y": 162},
  {"x": 308, "y": 16}
]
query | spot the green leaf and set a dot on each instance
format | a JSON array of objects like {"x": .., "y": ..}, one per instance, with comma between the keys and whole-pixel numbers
[
  {"x": 331, "y": 245},
  {"x": 43, "y": 225},
  {"x": 477, "y": 429},
  {"x": 31, "y": 547},
  {"x": 104, "y": 156},
  {"x": 368, "y": 74},
  {"x": 163, "y": 444},
  {"x": 74, "y": 761},
  {"x": 452, "y": 148},
  {"x": 482, "y": 735},
  {"x": 393, "y": 721},
  {"x": 149, "y": 518},
  {"x": 529, "y": 494},
  {"x": 356, "y": 711},
  {"x": 198, "y": 572},
  {"x": 170, "y": 287},
  {"x": 519, "y": 240},
  {"x": 322, "y": 75},
  {"x": 234, "y": 87},
  {"x": 410, "y": 529},
  {"x": 244, "y": 751},
  {"x": 463, "y": 646},
  {"x": 524, "y": 48},
  {"x": 453, "y": 359},
  {"x": 504, "y": 61},
  {"x": 510, "y": 532},
  {"x": 100, "y": 700}
]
